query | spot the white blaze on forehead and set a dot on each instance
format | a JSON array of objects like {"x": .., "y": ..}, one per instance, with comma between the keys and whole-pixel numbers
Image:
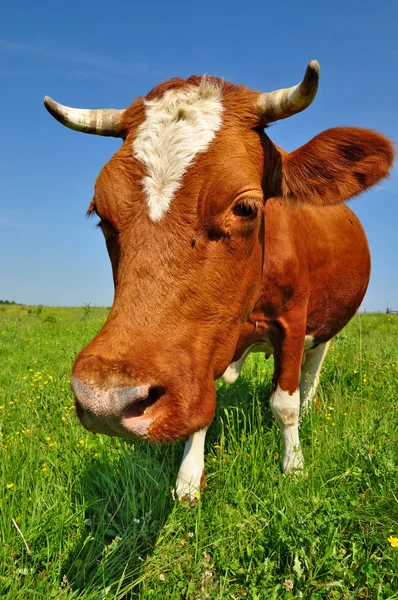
[{"x": 177, "y": 127}]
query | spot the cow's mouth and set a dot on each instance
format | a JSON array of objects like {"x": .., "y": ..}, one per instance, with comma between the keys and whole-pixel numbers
[{"x": 141, "y": 408}]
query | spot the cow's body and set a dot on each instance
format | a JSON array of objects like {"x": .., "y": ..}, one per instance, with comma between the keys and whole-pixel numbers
[
  {"x": 316, "y": 267},
  {"x": 221, "y": 244}
]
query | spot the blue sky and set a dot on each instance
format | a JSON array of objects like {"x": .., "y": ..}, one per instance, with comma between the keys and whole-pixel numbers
[{"x": 101, "y": 54}]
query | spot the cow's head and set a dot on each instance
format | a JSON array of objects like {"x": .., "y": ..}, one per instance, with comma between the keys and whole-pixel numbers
[{"x": 181, "y": 209}]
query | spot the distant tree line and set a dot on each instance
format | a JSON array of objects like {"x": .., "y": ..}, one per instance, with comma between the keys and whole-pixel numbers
[{"x": 7, "y": 302}]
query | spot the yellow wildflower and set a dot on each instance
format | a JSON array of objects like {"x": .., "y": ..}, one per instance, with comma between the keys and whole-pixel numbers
[
  {"x": 393, "y": 541},
  {"x": 10, "y": 485}
]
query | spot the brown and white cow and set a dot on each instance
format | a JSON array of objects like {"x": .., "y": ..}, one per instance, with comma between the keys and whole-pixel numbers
[{"x": 221, "y": 243}]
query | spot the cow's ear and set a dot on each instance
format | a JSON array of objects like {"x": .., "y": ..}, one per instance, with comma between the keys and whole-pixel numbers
[{"x": 336, "y": 165}]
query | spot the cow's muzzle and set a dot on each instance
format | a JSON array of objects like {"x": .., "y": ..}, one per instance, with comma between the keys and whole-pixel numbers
[{"x": 124, "y": 412}]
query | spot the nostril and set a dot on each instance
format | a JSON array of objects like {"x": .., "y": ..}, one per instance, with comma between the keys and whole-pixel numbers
[
  {"x": 79, "y": 409},
  {"x": 140, "y": 407}
]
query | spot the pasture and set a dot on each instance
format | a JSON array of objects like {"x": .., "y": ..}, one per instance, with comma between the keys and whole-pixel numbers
[{"x": 91, "y": 517}]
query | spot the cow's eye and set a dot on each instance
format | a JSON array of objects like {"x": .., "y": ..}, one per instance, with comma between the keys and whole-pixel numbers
[{"x": 244, "y": 209}]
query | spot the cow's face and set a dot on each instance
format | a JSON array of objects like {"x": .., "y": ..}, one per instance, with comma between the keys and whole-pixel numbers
[
  {"x": 181, "y": 207},
  {"x": 181, "y": 210}
]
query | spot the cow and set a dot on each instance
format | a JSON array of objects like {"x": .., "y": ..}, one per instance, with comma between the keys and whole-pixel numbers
[{"x": 221, "y": 243}]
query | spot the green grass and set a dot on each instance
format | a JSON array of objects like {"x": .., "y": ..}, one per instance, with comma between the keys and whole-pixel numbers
[{"x": 95, "y": 515}]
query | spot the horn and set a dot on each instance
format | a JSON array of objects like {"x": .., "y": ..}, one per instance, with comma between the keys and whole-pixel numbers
[
  {"x": 284, "y": 103},
  {"x": 103, "y": 121}
]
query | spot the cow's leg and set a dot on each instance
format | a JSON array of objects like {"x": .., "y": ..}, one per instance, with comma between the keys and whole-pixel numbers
[
  {"x": 286, "y": 408},
  {"x": 310, "y": 371},
  {"x": 232, "y": 372},
  {"x": 191, "y": 470},
  {"x": 285, "y": 397}
]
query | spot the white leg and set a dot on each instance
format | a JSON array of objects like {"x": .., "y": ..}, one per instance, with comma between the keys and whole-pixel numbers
[
  {"x": 192, "y": 467},
  {"x": 286, "y": 408},
  {"x": 232, "y": 372},
  {"x": 310, "y": 371}
]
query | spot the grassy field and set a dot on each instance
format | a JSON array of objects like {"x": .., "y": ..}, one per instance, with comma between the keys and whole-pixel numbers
[{"x": 91, "y": 517}]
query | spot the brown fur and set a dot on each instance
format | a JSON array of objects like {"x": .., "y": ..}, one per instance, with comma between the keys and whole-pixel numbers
[{"x": 183, "y": 311}]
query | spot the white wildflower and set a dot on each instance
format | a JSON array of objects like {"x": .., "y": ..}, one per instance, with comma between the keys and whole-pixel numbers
[{"x": 288, "y": 585}]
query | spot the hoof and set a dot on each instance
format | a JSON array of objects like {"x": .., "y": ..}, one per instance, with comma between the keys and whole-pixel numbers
[
  {"x": 185, "y": 494},
  {"x": 188, "y": 493}
]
